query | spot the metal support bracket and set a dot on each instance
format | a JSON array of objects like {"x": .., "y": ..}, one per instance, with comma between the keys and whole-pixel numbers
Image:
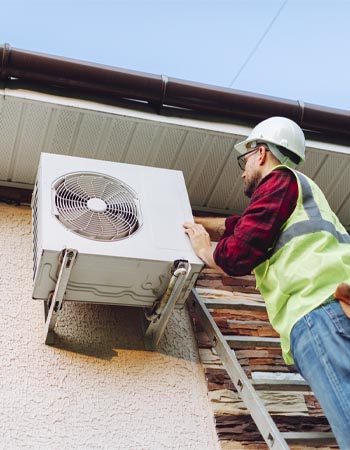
[
  {"x": 160, "y": 315},
  {"x": 53, "y": 305}
]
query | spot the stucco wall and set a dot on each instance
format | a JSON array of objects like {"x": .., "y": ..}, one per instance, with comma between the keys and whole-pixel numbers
[{"x": 91, "y": 391}]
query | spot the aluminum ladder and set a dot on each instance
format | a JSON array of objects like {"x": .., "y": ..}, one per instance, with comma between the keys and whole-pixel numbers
[{"x": 247, "y": 389}]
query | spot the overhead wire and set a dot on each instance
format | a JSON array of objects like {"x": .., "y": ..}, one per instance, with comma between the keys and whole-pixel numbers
[{"x": 258, "y": 43}]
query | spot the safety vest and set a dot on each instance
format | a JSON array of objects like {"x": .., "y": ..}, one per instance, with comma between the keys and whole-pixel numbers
[{"x": 310, "y": 257}]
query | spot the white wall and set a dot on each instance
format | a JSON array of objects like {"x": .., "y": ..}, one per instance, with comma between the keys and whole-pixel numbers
[{"x": 90, "y": 391}]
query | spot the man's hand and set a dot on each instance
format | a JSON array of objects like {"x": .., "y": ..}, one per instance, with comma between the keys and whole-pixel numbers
[
  {"x": 199, "y": 237},
  {"x": 201, "y": 243}
]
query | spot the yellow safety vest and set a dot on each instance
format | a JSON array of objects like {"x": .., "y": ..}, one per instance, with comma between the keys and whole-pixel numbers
[{"x": 310, "y": 257}]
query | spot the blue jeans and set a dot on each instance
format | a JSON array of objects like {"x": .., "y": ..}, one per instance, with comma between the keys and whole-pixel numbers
[{"x": 320, "y": 343}]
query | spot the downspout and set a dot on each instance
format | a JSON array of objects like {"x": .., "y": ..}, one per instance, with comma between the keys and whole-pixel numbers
[{"x": 159, "y": 91}]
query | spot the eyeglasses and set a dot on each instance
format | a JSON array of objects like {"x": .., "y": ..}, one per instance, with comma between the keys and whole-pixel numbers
[{"x": 242, "y": 161}]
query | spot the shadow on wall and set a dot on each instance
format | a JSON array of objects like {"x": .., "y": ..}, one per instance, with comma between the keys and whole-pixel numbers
[{"x": 98, "y": 330}]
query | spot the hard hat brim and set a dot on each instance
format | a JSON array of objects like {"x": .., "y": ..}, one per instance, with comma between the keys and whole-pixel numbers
[{"x": 241, "y": 146}]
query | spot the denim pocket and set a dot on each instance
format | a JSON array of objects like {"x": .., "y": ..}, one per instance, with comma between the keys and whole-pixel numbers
[{"x": 338, "y": 317}]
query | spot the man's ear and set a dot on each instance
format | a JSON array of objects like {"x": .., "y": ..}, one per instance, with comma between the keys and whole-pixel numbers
[{"x": 262, "y": 155}]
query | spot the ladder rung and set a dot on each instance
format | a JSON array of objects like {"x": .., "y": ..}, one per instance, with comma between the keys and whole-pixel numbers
[
  {"x": 309, "y": 438},
  {"x": 233, "y": 304},
  {"x": 281, "y": 385},
  {"x": 251, "y": 341}
]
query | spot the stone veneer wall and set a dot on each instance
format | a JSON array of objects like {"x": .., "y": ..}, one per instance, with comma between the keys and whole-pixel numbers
[{"x": 96, "y": 388}]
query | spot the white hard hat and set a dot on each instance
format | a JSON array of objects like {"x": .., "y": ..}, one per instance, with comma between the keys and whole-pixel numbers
[{"x": 279, "y": 131}]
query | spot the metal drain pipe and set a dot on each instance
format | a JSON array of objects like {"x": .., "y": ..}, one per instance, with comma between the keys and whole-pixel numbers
[{"x": 177, "y": 279}]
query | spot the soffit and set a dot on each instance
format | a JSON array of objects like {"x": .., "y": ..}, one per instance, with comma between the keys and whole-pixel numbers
[{"x": 31, "y": 123}]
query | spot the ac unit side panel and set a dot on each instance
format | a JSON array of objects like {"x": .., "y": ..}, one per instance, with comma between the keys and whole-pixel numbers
[
  {"x": 108, "y": 280},
  {"x": 166, "y": 212}
]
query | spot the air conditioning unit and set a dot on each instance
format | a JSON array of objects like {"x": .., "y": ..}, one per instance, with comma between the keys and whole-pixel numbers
[{"x": 124, "y": 223}]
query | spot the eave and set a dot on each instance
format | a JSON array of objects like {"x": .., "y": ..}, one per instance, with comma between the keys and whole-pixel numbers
[{"x": 76, "y": 108}]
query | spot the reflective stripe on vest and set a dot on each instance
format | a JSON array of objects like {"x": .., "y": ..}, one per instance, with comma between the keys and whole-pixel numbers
[{"x": 314, "y": 224}]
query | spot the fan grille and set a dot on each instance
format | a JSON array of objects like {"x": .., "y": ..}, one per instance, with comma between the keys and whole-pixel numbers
[{"x": 97, "y": 206}]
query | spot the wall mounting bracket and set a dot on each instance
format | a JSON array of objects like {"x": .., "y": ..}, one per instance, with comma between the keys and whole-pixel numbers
[
  {"x": 159, "y": 315},
  {"x": 53, "y": 305}
]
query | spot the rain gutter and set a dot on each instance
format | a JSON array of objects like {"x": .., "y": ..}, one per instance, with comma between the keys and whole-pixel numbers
[{"x": 110, "y": 84}]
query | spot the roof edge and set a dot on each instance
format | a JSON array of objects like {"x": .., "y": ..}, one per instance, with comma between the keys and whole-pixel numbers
[{"x": 111, "y": 84}]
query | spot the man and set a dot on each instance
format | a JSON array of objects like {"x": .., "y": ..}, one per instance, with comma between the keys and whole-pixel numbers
[{"x": 299, "y": 252}]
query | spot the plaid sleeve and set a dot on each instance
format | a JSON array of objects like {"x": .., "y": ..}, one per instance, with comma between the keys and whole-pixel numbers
[
  {"x": 247, "y": 239},
  {"x": 230, "y": 224}
]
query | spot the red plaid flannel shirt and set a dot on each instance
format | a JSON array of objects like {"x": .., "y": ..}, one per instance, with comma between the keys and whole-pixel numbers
[{"x": 248, "y": 238}]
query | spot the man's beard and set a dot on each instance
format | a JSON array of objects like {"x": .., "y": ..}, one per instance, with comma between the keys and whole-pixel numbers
[{"x": 251, "y": 185}]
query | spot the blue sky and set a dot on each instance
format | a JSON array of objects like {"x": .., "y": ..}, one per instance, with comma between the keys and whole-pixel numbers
[{"x": 294, "y": 49}]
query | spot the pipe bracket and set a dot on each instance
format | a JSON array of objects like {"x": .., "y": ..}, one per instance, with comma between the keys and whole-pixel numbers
[
  {"x": 302, "y": 111},
  {"x": 163, "y": 87},
  {"x": 4, "y": 61}
]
